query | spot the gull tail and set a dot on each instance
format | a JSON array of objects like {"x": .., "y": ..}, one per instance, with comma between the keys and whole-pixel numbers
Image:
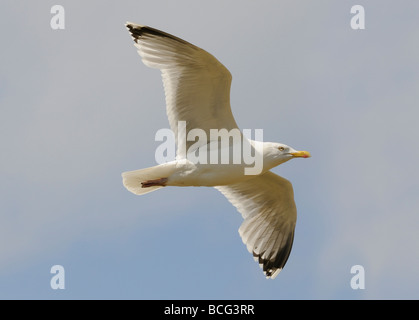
[{"x": 135, "y": 181}]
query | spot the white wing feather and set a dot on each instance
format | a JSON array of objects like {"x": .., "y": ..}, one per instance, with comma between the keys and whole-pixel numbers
[
  {"x": 196, "y": 84},
  {"x": 267, "y": 205}
]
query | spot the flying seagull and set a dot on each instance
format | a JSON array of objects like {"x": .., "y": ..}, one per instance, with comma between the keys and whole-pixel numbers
[{"x": 197, "y": 90}]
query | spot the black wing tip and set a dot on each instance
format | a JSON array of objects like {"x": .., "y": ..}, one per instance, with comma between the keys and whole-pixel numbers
[
  {"x": 273, "y": 265},
  {"x": 138, "y": 31},
  {"x": 272, "y": 273}
]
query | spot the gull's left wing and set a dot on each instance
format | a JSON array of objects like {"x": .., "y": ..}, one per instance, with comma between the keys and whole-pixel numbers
[{"x": 267, "y": 205}]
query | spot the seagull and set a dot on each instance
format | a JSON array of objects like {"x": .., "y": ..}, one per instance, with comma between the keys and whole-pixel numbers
[{"x": 197, "y": 91}]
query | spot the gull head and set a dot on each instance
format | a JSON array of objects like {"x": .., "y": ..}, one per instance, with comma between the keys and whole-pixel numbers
[{"x": 276, "y": 153}]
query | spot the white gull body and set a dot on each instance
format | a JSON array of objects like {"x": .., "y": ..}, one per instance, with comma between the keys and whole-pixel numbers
[{"x": 197, "y": 90}]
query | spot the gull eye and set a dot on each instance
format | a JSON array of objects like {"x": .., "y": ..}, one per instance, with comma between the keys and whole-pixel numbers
[{"x": 281, "y": 148}]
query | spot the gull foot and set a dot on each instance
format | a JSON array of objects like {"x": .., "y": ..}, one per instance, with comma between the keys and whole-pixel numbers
[{"x": 152, "y": 183}]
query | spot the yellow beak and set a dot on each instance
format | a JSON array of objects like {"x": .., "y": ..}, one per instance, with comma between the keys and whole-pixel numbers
[{"x": 301, "y": 154}]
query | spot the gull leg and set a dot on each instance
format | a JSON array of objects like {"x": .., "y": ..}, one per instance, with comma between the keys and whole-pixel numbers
[{"x": 156, "y": 182}]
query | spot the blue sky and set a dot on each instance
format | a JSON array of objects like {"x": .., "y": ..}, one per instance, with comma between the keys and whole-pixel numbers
[{"x": 78, "y": 107}]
